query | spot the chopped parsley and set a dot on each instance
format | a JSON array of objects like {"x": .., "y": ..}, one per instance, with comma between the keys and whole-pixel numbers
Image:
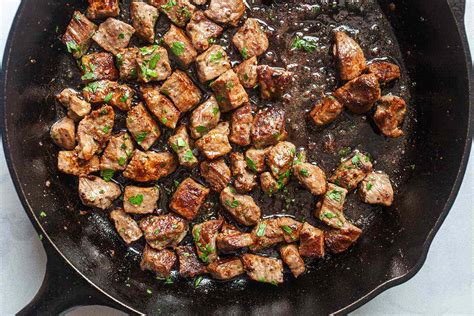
[
  {"x": 261, "y": 229},
  {"x": 88, "y": 76},
  {"x": 121, "y": 36},
  {"x": 211, "y": 40},
  {"x": 170, "y": 4},
  {"x": 121, "y": 161},
  {"x": 215, "y": 110},
  {"x": 251, "y": 164},
  {"x": 335, "y": 195},
  {"x": 106, "y": 129},
  {"x": 168, "y": 280},
  {"x": 188, "y": 155},
  {"x": 304, "y": 44},
  {"x": 197, "y": 281},
  {"x": 181, "y": 142},
  {"x": 220, "y": 98},
  {"x": 108, "y": 97},
  {"x": 186, "y": 12},
  {"x": 287, "y": 229},
  {"x": 201, "y": 129},
  {"x": 234, "y": 203},
  {"x": 229, "y": 85},
  {"x": 245, "y": 53},
  {"x": 177, "y": 48},
  {"x": 72, "y": 47},
  {"x": 215, "y": 57},
  {"x": 304, "y": 172},
  {"x": 125, "y": 97},
  {"x": 356, "y": 160},
  {"x": 43, "y": 214},
  {"x": 107, "y": 174},
  {"x": 141, "y": 137},
  {"x": 164, "y": 120},
  {"x": 154, "y": 61},
  {"x": 369, "y": 186},
  {"x": 197, "y": 234},
  {"x": 148, "y": 50},
  {"x": 136, "y": 200},
  {"x": 328, "y": 215}
]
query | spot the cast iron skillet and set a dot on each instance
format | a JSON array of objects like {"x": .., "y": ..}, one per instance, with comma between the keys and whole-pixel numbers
[{"x": 85, "y": 265}]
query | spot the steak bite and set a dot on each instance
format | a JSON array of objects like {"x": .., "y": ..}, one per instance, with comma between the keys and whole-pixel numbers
[
  {"x": 141, "y": 125},
  {"x": 100, "y": 9},
  {"x": 242, "y": 207},
  {"x": 215, "y": 144},
  {"x": 144, "y": 18},
  {"x": 376, "y": 189},
  {"x": 117, "y": 153},
  {"x": 98, "y": 66},
  {"x": 228, "y": 91},
  {"x": 164, "y": 231},
  {"x": 384, "y": 71},
  {"x": 110, "y": 92},
  {"x": 126, "y": 226},
  {"x": 212, "y": 63},
  {"x": 204, "y": 236},
  {"x": 161, "y": 107},
  {"x": 149, "y": 166},
  {"x": 241, "y": 122},
  {"x": 250, "y": 40},
  {"x": 179, "y": 142},
  {"x": 359, "y": 94},
  {"x": 230, "y": 239},
  {"x": 349, "y": 56},
  {"x": 273, "y": 81},
  {"x": 63, "y": 133},
  {"x": 93, "y": 132},
  {"x": 204, "y": 118},
  {"x": 139, "y": 200},
  {"x": 329, "y": 208},
  {"x": 339, "y": 240},
  {"x": 280, "y": 161},
  {"x": 189, "y": 264},
  {"x": 202, "y": 31},
  {"x": 70, "y": 163},
  {"x": 180, "y": 46},
  {"x": 77, "y": 107},
  {"x": 390, "y": 114},
  {"x": 256, "y": 158},
  {"x": 153, "y": 64},
  {"x": 113, "y": 34},
  {"x": 216, "y": 173},
  {"x": 268, "y": 183},
  {"x": 247, "y": 72},
  {"x": 269, "y": 127},
  {"x": 311, "y": 176},
  {"x": 226, "y": 269},
  {"x": 292, "y": 258},
  {"x": 95, "y": 192},
  {"x": 271, "y": 231},
  {"x": 161, "y": 262},
  {"x": 263, "y": 269},
  {"x": 188, "y": 198},
  {"x": 326, "y": 111},
  {"x": 352, "y": 171},
  {"x": 181, "y": 90},
  {"x": 78, "y": 35},
  {"x": 127, "y": 63},
  {"x": 225, "y": 12},
  {"x": 311, "y": 242},
  {"x": 178, "y": 11},
  {"x": 245, "y": 180}
]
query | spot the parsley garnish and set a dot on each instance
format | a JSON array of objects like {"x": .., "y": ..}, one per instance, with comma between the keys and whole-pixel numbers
[
  {"x": 188, "y": 155},
  {"x": 251, "y": 164},
  {"x": 335, "y": 195},
  {"x": 369, "y": 186},
  {"x": 121, "y": 36},
  {"x": 136, "y": 200},
  {"x": 72, "y": 46},
  {"x": 164, "y": 120},
  {"x": 197, "y": 281},
  {"x": 234, "y": 203},
  {"x": 43, "y": 214},
  {"x": 304, "y": 172},
  {"x": 107, "y": 174},
  {"x": 169, "y": 5},
  {"x": 108, "y": 97},
  {"x": 125, "y": 97},
  {"x": 177, "y": 48},
  {"x": 106, "y": 129},
  {"x": 287, "y": 229},
  {"x": 305, "y": 44},
  {"x": 201, "y": 129},
  {"x": 181, "y": 142},
  {"x": 244, "y": 53},
  {"x": 215, "y": 110},
  {"x": 141, "y": 137},
  {"x": 214, "y": 57},
  {"x": 261, "y": 229},
  {"x": 154, "y": 61},
  {"x": 121, "y": 161}
]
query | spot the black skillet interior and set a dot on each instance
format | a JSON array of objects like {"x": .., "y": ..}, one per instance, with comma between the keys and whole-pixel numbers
[{"x": 394, "y": 244}]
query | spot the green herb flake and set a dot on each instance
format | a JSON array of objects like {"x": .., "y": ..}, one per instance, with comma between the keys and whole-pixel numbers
[
  {"x": 154, "y": 61},
  {"x": 201, "y": 129},
  {"x": 72, "y": 47},
  {"x": 355, "y": 160},
  {"x": 197, "y": 234},
  {"x": 215, "y": 57},
  {"x": 304, "y": 44},
  {"x": 88, "y": 76},
  {"x": 170, "y": 4},
  {"x": 229, "y": 85},
  {"x": 287, "y": 229},
  {"x": 328, "y": 215},
  {"x": 125, "y": 97},
  {"x": 108, "y": 97},
  {"x": 141, "y": 137},
  {"x": 177, "y": 48},
  {"x": 211, "y": 40},
  {"x": 261, "y": 229},
  {"x": 107, "y": 174},
  {"x": 304, "y": 172},
  {"x": 188, "y": 156},
  {"x": 245, "y": 53},
  {"x": 136, "y": 200},
  {"x": 164, "y": 120},
  {"x": 43, "y": 214},
  {"x": 181, "y": 142},
  {"x": 122, "y": 161},
  {"x": 335, "y": 195},
  {"x": 197, "y": 281},
  {"x": 232, "y": 204},
  {"x": 220, "y": 98},
  {"x": 106, "y": 129},
  {"x": 251, "y": 164},
  {"x": 169, "y": 280},
  {"x": 215, "y": 110},
  {"x": 369, "y": 186},
  {"x": 121, "y": 36}
]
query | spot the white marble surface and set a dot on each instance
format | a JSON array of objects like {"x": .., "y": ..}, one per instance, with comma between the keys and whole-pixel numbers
[{"x": 443, "y": 286}]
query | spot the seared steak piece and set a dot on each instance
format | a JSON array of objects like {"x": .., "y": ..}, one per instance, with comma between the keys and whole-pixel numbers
[
  {"x": 359, "y": 94},
  {"x": 93, "y": 132},
  {"x": 228, "y": 91},
  {"x": 247, "y": 72},
  {"x": 376, "y": 189},
  {"x": 126, "y": 226},
  {"x": 263, "y": 269},
  {"x": 127, "y": 63},
  {"x": 110, "y": 92},
  {"x": 349, "y": 56},
  {"x": 311, "y": 176},
  {"x": 161, "y": 262},
  {"x": 161, "y": 107},
  {"x": 98, "y": 66},
  {"x": 271, "y": 231},
  {"x": 390, "y": 114},
  {"x": 280, "y": 161},
  {"x": 273, "y": 81},
  {"x": 269, "y": 127},
  {"x": 95, "y": 192},
  {"x": 230, "y": 239},
  {"x": 204, "y": 118},
  {"x": 352, "y": 170},
  {"x": 384, "y": 71},
  {"x": 256, "y": 158},
  {"x": 241, "y": 122},
  {"x": 226, "y": 12},
  {"x": 188, "y": 198},
  {"x": 245, "y": 180},
  {"x": 113, "y": 34},
  {"x": 215, "y": 144},
  {"x": 63, "y": 133},
  {"x": 202, "y": 31},
  {"x": 216, "y": 173},
  {"x": 189, "y": 264},
  {"x": 204, "y": 235},
  {"x": 241, "y": 207},
  {"x": 99, "y": 9},
  {"x": 311, "y": 241},
  {"x": 226, "y": 269},
  {"x": 153, "y": 64},
  {"x": 212, "y": 63},
  {"x": 144, "y": 18},
  {"x": 78, "y": 35},
  {"x": 180, "y": 46},
  {"x": 150, "y": 166},
  {"x": 326, "y": 111},
  {"x": 268, "y": 183},
  {"x": 178, "y": 11},
  {"x": 329, "y": 208},
  {"x": 143, "y": 128},
  {"x": 292, "y": 258},
  {"x": 250, "y": 40},
  {"x": 339, "y": 240},
  {"x": 179, "y": 142},
  {"x": 77, "y": 107},
  {"x": 70, "y": 163},
  {"x": 117, "y": 153},
  {"x": 181, "y": 90},
  {"x": 163, "y": 231},
  {"x": 139, "y": 200}
]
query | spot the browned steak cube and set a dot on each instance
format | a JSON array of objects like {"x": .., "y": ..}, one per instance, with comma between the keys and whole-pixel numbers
[
  {"x": 339, "y": 240},
  {"x": 212, "y": 63},
  {"x": 153, "y": 64},
  {"x": 241, "y": 121},
  {"x": 226, "y": 12},
  {"x": 144, "y": 18},
  {"x": 329, "y": 208},
  {"x": 204, "y": 236},
  {"x": 376, "y": 189},
  {"x": 311, "y": 241},
  {"x": 189, "y": 264},
  {"x": 250, "y": 40},
  {"x": 204, "y": 118},
  {"x": 230, "y": 239},
  {"x": 269, "y": 127},
  {"x": 271, "y": 231},
  {"x": 127, "y": 63},
  {"x": 110, "y": 92},
  {"x": 359, "y": 94},
  {"x": 98, "y": 66},
  {"x": 180, "y": 144},
  {"x": 226, "y": 269},
  {"x": 63, "y": 133},
  {"x": 117, "y": 153},
  {"x": 150, "y": 166},
  {"x": 140, "y": 200},
  {"x": 247, "y": 72},
  {"x": 390, "y": 114},
  {"x": 96, "y": 192},
  {"x": 263, "y": 269},
  {"x": 180, "y": 46},
  {"x": 326, "y": 111},
  {"x": 273, "y": 81},
  {"x": 143, "y": 128},
  {"x": 99, "y": 9},
  {"x": 182, "y": 91},
  {"x": 113, "y": 34},
  {"x": 268, "y": 183},
  {"x": 280, "y": 161},
  {"x": 126, "y": 226},
  {"x": 164, "y": 231},
  {"x": 78, "y": 35},
  {"x": 161, "y": 107},
  {"x": 70, "y": 163},
  {"x": 352, "y": 171},
  {"x": 161, "y": 262},
  {"x": 178, "y": 11},
  {"x": 292, "y": 258},
  {"x": 242, "y": 207},
  {"x": 202, "y": 31},
  {"x": 215, "y": 144},
  {"x": 384, "y": 71},
  {"x": 311, "y": 176},
  {"x": 77, "y": 107},
  {"x": 256, "y": 158},
  {"x": 228, "y": 91},
  {"x": 216, "y": 173},
  {"x": 349, "y": 56},
  {"x": 188, "y": 198},
  {"x": 245, "y": 180}
]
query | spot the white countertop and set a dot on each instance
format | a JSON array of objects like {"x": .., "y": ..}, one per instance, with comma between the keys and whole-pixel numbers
[{"x": 444, "y": 285}]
